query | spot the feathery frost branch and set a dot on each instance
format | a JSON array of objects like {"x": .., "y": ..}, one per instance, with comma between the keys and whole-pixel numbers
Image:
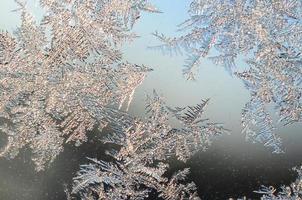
[
  {"x": 268, "y": 32},
  {"x": 141, "y": 162},
  {"x": 64, "y": 77}
]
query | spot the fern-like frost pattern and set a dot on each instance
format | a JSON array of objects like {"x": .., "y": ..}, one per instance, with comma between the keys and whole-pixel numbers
[
  {"x": 63, "y": 77},
  {"x": 267, "y": 33},
  {"x": 141, "y": 161}
]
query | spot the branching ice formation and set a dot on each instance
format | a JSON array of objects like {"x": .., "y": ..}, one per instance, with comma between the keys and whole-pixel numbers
[
  {"x": 269, "y": 34},
  {"x": 291, "y": 192},
  {"x": 65, "y": 76},
  {"x": 141, "y": 162}
]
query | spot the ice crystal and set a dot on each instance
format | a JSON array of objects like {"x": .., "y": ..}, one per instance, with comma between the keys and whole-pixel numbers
[
  {"x": 268, "y": 33},
  {"x": 141, "y": 162},
  {"x": 63, "y": 77},
  {"x": 291, "y": 192},
  {"x": 258, "y": 125}
]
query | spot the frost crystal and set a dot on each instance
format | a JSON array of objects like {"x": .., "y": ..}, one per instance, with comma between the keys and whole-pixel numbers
[
  {"x": 269, "y": 34},
  {"x": 291, "y": 192},
  {"x": 65, "y": 76},
  {"x": 140, "y": 163}
]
